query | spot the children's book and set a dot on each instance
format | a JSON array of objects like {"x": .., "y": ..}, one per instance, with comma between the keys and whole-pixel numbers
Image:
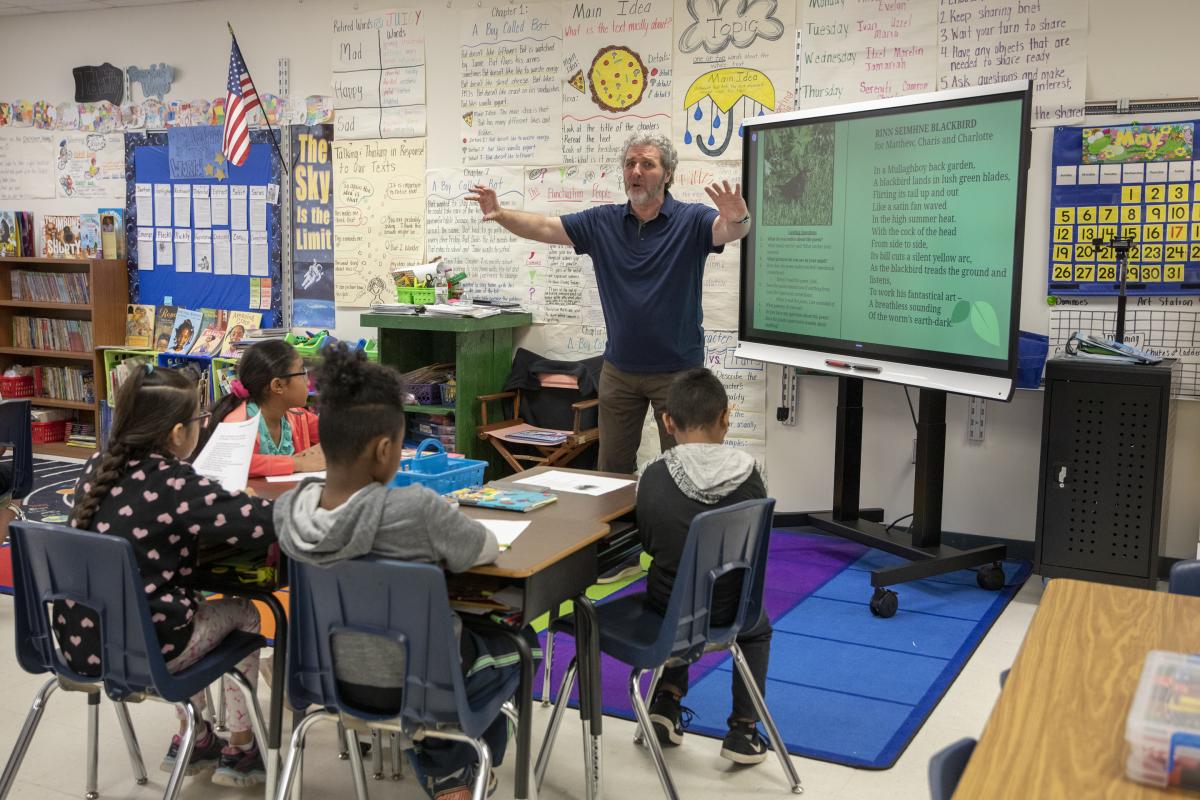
[
  {"x": 60, "y": 236},
  {"x": 139, "y": 325},
  {"x": 89, "y": 236},
  {"x": 10, "y": 236},
  {"x": 239, "y": 323},
  {"x": 183, "y": 334},
  {"x": 538, "y": 436},
  {"x": 112, "y": 233},
  {"x": 212, "y": 332},
  {"x": 25, "y": 230},
  {"x": 507, "y": 499},
  {"x": 164, "y": 326}
]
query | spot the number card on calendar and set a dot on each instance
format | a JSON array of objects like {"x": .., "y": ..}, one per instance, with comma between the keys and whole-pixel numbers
[{"x": 1139, "y": 182}]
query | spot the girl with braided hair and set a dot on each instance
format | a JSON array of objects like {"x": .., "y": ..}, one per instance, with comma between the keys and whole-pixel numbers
[{"x": 140, "y": 488}]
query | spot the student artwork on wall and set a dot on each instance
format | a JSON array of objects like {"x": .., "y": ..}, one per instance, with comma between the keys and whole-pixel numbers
[
  {"x": 208, "y": 242},
  {"x": 731, "y": 61},
  {"x": 379, "y": 216},
  {"x": 867, "y": 52},
  {"x": 90, "y": 165},
  {"x": 616, "y": 77},
  {"x": 512, "y": 99}
]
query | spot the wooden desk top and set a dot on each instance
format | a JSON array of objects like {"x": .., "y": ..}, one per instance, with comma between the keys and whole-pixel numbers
[
  {"x": 555, "y": 531},
  {"x": 1058, "y": 729}
]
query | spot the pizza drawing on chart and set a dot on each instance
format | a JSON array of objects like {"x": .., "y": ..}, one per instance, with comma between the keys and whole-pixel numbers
[{"x": 617, "y": 78}]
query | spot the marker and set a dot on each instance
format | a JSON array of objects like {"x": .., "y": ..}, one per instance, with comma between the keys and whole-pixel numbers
[
  {"x": 829, "y": 362},
  {"x": 863, "y": 368}
]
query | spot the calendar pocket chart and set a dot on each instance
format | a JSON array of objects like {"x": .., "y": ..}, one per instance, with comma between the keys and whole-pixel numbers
[{"x": 1137, "y": 182}]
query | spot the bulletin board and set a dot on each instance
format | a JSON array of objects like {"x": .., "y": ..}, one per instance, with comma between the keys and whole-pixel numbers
[
  {"x": 1140, "y": 180},
  {"x": 203, "y": 286}
]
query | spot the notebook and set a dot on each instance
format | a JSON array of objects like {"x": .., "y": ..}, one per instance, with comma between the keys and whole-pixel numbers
[{"x": 507, "y": 499}]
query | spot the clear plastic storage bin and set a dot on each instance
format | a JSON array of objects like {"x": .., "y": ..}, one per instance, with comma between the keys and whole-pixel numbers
[{"x": 1163, "y": 728}]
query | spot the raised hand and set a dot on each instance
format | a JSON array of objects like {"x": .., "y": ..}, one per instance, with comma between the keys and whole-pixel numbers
[
  {"x": 729, "y": 201},
  {"x": 485, "y": 196}
]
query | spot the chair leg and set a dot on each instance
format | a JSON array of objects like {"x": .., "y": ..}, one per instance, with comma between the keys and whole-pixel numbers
[
  {"x": 343, "y": 753},
  {"x": 547, "y": 660},
  {"x": 207, "y": 713},
  {"x": 350, "y": 742},
  {"x": 654, "y": 679},
  {"x": 564, "y": 691},
  {"x": 25, "y": 736},
  {"x": 184, "y": 754},
  {"x": 283, "y": 787},
  {"x": 220, "y": 721},
  {"x": 131, "y": 743},
  {"x": 768, "y": 722},
  {"x": 93, "y": 746},
  {"x": 376, "y": 755},
  {"x": 643, "y": 718},
  {"x": 397, "y": 762},
  {"x": 253, "y": 709}
]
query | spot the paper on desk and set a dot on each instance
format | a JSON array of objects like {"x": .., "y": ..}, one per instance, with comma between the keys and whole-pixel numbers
[
  {"x": 558, "y": 481},
  {"x": 226, "y": 457},
  {"x": 295, "y": 477},
  {"x": 506, "y": 530}
]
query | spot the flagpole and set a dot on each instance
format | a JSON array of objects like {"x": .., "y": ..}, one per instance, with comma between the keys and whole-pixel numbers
[{"x": 266, "y": 119}]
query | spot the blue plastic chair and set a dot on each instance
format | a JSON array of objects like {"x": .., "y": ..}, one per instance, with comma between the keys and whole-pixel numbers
[
  {"x": 946, "y": 767},
  {"x": 54, "y": 562},
  {"x": 405, "y": 603},
  {"x": 720, "y": 542},
  {"x": 1185, "y": 578},
  {"x": 16, "y": 431}
]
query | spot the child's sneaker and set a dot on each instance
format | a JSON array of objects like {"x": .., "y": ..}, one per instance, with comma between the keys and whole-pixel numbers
[
  {"x": 669, "y": 718},
  {"x": 744, "y": 744},
  {"x": 459, "y": 785},
  {"x": 206, "y": 752},
  {"x": 240, "y": 767}
]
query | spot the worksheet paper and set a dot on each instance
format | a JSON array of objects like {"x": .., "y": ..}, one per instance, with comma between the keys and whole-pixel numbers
[
  {"x": 558, "y": 481},
  {"x": 505, "y": 530},
  {"x": 226, "y": 457},
  {"x": 295, "y": 477}
]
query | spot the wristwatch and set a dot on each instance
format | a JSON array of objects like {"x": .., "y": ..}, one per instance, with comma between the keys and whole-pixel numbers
[{"x": 744, "y": 219}]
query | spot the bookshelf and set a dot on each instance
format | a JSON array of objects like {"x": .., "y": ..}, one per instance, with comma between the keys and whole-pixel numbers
[{"x": 108, "y": 287}]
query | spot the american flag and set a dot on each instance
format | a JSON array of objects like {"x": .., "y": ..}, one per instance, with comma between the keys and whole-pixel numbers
[{"x": 242, "y": 99}]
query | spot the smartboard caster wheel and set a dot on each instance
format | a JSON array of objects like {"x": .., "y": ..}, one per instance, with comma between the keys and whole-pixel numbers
[
  {"x": 990, "y": 578},
  {"x": 884, "y": 603}
]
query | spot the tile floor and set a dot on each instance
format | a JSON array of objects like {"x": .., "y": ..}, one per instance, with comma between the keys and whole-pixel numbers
[{"x": 55, "y": 767}]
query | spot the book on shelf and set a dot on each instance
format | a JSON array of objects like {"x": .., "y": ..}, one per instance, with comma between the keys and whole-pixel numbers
[
  {"x": 240, "y": 322},
  {"x": 506, "y": 499},
  {"x": 139, "y": 325},
  {"x": 209, "y": 342},
  {"x": 121, "y": 371},
  {"x": 41, "y": 333},
  {"x": 164, "y": 326},
  {"x": 26, "y": 232},
  {"x": 50, "y": 287},
  {"x": 183, "y": 334},
  {"x": 89, "y": 236},
  {"x": 112, "y": 233},
  {"x": 10, "y": 235},
  {"x": 75, "y": 384},
  {"x": 60, "y": 236}
]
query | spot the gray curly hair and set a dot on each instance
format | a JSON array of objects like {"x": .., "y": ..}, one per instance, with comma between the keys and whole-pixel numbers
[{"x": 670, "y": 159}]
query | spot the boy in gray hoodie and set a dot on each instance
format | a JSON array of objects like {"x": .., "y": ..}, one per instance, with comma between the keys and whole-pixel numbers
[
  {"x": 353, "y": 512},
  {"x": 699, "y": 474}
]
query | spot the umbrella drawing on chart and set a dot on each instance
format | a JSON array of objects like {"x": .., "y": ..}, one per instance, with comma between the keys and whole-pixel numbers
[{"x": 713, "y": 99}]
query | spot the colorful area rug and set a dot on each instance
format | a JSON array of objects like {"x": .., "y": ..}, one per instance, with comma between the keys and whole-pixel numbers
[
  {"x": 843, "y": 685},
  {"x": 53, "y": 492}
]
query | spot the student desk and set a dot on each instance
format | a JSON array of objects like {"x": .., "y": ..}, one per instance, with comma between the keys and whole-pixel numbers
[
  {"x": 553, "y": 560},
  {"x": 1058, "y": 729}
]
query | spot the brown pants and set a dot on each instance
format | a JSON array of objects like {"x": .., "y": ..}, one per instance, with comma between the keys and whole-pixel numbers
[{"x": 623, "y": 400}]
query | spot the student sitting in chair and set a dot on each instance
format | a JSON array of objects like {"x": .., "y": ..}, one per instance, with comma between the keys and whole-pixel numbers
[
  {"x": 354, "y": 511},
  {"x": 699, "y": 474},
  {"x": 272, "y": 381}
]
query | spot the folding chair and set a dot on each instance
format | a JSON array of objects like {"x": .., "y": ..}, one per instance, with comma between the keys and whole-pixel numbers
[
  {"x": 16, "y": 431},
  {"x": 99, "y": 570},
  {"x": 946, "y": 768},
  {"x": 405, "y": 603},
  {"x": 553, "y": 418},
  {"x": 720, "y": 542}
]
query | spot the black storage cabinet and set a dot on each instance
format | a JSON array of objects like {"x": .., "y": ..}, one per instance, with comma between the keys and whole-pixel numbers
[{"x": 1105, "y": 469}]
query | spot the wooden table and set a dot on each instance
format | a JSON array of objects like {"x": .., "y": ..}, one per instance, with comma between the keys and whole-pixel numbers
[
  {"x": 553, "y": 560},
  {"x": 1058, "y": 729}
]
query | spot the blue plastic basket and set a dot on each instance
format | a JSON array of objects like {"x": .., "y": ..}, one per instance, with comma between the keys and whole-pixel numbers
[
  {"x": 438, "y": 471},
  {"x": 1032, "y": 349}
]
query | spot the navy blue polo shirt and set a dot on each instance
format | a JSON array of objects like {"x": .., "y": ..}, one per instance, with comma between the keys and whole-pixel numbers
[{"x": 650, "y": 278}]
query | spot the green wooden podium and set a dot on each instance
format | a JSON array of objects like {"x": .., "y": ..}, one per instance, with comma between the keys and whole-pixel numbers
[{"x": 480, "y": 349}]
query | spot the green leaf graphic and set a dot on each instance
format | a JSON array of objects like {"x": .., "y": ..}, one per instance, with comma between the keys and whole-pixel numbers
[
  {"x": 984, "y": 322},
  {"x": 962, "y": 310}
]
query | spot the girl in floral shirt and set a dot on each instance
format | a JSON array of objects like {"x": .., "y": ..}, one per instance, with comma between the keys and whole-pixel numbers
[{"x": 141, "y": 490}]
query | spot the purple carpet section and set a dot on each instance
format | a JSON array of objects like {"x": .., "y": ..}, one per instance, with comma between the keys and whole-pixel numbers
[{"x": 799, "y": 564}]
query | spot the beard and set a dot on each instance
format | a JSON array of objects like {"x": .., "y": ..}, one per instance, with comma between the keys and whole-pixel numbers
[{"x": 645, "y": 193}]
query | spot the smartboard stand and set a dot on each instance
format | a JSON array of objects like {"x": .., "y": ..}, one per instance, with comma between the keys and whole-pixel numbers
[{"x": 921, "y": 544}]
